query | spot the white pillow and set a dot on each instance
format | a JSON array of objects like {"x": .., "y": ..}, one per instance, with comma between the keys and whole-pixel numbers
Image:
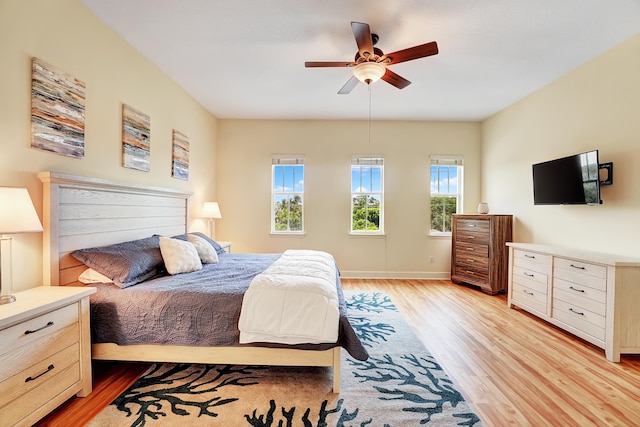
[
  {"x": 91, "y": 276},
  {"x": 179, "y": 256},
  {"x": 206, "y": 252}
]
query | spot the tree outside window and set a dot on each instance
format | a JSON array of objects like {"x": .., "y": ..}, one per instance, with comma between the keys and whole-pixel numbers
[
  {"x": 446, "y": 192},
  {"x": 367, "y": 179},
  {"x": 287, "y": 195}
]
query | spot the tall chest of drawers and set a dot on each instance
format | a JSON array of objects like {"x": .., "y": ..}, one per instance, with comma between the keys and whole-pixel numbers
[
  {"x": 478, "y": 252},
  {"x": 45, "y": 356},
  {"x": 593, "y": 296}
]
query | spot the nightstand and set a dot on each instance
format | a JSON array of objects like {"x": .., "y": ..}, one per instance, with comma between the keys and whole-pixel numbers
[
  {"x": 226, "y": 246},
  {"x": 45, "y": 357}
]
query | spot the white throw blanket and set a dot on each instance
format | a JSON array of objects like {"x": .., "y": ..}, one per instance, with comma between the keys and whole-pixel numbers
[{"x": 294, "y": 301}]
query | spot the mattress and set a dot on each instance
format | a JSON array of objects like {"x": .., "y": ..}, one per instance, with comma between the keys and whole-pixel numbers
[{"x": 195, "y": 309}]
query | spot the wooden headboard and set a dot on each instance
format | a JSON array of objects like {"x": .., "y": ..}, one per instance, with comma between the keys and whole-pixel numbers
[{"x": 82, "y": 212}]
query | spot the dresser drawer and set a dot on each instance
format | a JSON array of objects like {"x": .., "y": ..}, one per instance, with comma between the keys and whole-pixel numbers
[
  {"x": 525, "y": 296},
  {"x": 531, "y": 278},
  {"x": 473, "y": 225},
  {"x": 531, "y": 260},
  {"x": 472, "y": 237},
  {"x": 34, "y": 376},
  {"x": 471, "y": 273},
  {"x": 581, "y": 273},
  {"x": 580, "y": 293},
  {"x": 34, "y": 329},
  {"x": 464, "y": 249},
  {"x": 579, "y": 318}
]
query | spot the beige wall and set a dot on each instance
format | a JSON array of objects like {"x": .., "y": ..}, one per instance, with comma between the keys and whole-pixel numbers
[
  {"x": 244, "y": 189},
  {"x": 66, "y": 35},
  {"x": 597, "y": 106}
]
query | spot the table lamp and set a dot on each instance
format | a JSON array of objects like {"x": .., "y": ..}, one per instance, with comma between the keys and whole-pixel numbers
[
  {"x": 211, "y": 210},
  {"x": 17, "y": 215}
]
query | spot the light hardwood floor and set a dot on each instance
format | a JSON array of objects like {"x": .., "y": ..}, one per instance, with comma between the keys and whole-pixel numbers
[{"x": 513, "y": 369}]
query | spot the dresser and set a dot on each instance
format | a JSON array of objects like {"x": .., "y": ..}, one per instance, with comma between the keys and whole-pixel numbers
[
  {"x": 478, "y": 252},
  {"x": 45, "y": 356},
  {"x": 591, "y": 295}
]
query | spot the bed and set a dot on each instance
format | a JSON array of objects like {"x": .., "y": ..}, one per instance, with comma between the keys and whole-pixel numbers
[{"x": 82, "y": 212}]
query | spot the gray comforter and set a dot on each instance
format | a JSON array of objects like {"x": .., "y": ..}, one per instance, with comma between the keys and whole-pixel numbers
[{"x": 194, "y": 309}]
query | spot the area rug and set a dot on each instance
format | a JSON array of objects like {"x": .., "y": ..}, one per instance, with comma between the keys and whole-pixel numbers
[{"x": 400, "y": 384}]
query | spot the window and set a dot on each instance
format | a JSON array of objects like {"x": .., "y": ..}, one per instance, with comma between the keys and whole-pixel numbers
[
  {"x": 446, "y": 191},
  {"x": 367, "y": 205},
  {"x": 287, "y": 192}
]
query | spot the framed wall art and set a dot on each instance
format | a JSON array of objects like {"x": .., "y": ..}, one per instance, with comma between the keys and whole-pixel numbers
[
  {"x": 136, "y": 139},
  {"x": 180, "y": 156},
  {"x": 57, "y": 110}
]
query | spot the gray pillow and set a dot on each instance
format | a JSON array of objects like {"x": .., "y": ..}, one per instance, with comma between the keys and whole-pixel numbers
[{"x": 126, "y": 263}]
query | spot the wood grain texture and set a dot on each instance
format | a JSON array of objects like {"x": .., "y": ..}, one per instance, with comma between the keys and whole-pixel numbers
[
  {"x": 478, "y": 252},
  {"x": 513, "y": 368}
]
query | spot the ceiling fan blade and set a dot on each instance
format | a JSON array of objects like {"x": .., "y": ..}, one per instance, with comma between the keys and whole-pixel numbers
[
  {"x": 415, "y": 52},
  {"x": 395, "y": 80},
  {"x": 349, "y": 85},
  {"x": 328, "y": 64},
  {"x": 362, "y": 33}
]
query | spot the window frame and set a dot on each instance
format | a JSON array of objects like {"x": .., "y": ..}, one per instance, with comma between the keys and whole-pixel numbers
[
  {"x": 280, "y": 160},
  {"x": 360, "y": 161},
  {"x": 448, "y": 161}
]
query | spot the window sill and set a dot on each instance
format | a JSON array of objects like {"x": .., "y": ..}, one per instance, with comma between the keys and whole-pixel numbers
[
  {"x": 371, "y": 234},
  {"x": 288, "y": 234},
  {"x": 440, "y": 234}
]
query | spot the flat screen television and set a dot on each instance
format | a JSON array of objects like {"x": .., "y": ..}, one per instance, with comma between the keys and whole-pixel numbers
[{"x": 571, "y": 180}]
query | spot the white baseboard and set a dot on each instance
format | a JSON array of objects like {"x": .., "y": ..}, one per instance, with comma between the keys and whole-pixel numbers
[{"x": 424, "y": 275}]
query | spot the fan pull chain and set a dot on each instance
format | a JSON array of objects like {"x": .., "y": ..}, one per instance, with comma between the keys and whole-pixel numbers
[{"x": 369, "y": 88}]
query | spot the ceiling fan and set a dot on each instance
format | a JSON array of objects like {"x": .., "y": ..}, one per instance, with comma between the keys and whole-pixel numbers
[{"x": 370, "y": 63}]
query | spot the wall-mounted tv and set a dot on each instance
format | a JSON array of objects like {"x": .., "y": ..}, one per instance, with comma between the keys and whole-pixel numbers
[{"x": 571, "y": 180}]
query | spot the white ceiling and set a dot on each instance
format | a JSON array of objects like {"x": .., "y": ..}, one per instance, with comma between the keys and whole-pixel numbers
[{"x": 245, "y": 58}]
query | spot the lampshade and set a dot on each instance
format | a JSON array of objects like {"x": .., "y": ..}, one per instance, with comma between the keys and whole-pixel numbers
[
  {"x": 17, "y": 214},
  {"x": 369, "y": 72},
  {"x": 211, "y": 210}
]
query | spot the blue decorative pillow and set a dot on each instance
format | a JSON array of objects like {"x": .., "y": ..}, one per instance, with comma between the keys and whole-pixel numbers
[{"x": 126, "y": 263}]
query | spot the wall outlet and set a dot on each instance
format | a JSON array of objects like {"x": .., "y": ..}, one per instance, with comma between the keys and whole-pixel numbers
[{"x": 431, "y": 259}]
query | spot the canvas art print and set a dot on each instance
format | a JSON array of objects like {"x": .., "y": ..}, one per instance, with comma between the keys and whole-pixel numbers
[
  {"x": 57, "y": 110},
  {"x": 136, "y": 139},
  {"x": 180, "y": 156}
]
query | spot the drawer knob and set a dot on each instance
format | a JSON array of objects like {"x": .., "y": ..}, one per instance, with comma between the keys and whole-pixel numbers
[
  {"x": 575, "y": 311},
  {"x": 529, "y": 256},
  {"x": 33, "y": 331},
  {"x": 529, "y": 274},
  {"x": 470, "y": 249},
  {"x": 577, "y": 266},
  {"x": 470, "y": 272},
  {"x": 527, "y": 292},
  {"x": 470, "y": 260},
  {"x": 49, "y": 368},
  {"x": 576, "y": 289}
]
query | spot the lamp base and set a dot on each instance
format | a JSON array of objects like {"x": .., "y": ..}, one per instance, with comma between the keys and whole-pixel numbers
[{"x": 6, "y": 299}]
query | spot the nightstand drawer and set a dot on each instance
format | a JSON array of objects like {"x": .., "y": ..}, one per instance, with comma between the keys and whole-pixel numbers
[
  {"x": 34, "y": 352},
  {"x": 34, "y": 376},
  {"x": 34, "y": 329},
  {"x": 19, "y": 409}
]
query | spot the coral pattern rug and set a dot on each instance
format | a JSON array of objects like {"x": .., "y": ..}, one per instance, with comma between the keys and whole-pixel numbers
[{"x": 400, "y": 385}]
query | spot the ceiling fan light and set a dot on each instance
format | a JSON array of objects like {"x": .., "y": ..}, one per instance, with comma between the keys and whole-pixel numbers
[{"x": 369, "y": 72}]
